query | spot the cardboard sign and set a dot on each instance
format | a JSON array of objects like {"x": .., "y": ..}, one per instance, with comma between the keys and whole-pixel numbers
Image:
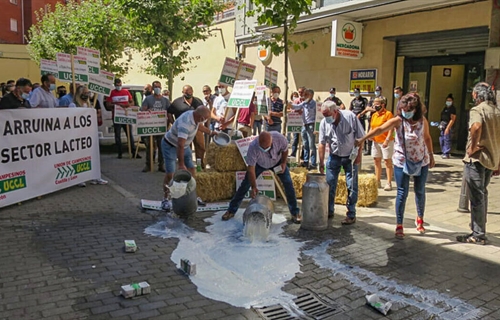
[
  {"x": 102, "y": 83},
  {"x": 319, "y": 116},
  {"x": 93, "y": 59},
  {"x": 242, "y": 145},
  {"x": 48, "y": 67},
  {"x": 364, "y": 80},
  {"x": 270, "y": 77},
  {"x": 294, "y": 123},
  {"x": 265, "y": 184},
  {"x": 79, "y": 65},
  {"x": 262, "y": 100},
  {"x": 230, "y": 68},
  {"x": 242, "y": 94},
  {"x": 151, "y": 123},
  {"x": 125, "y": 115}
]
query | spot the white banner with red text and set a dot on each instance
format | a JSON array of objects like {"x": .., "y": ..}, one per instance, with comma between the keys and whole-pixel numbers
[{"x": 45, "y": 150}]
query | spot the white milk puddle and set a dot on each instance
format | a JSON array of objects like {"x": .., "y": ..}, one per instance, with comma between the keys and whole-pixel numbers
[
  {"x": 233, "y": 269},
  {"x": 230, "y": 267},
  {"x": 429, "y": 300}
]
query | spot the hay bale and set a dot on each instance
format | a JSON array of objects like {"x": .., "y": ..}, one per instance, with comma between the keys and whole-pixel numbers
[
  {"x": 213, "y": 186},
  {"x": 367, "y": 190},
  {"x": 225, "y": 159}
]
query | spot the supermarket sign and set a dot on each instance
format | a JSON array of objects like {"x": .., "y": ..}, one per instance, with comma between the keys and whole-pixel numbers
[{"x": 346, "y": 39}]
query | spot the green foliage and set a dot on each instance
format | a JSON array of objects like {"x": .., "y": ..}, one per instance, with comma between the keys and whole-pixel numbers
[
  {"x": 166, "y": 27},
  {"x": 277, "y": 13},
  {"x": 97, "y": 24}
]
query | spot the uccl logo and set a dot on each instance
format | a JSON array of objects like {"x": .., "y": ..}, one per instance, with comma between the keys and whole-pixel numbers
[
  {"x": 349, "y": 32},
  {"x": 12, "y": 181}
]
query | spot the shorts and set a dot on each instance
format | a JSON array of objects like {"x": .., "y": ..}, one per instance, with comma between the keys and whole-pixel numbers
[
  {"x": 170, "y": 156},
  {"x": 379, "y": 152}
]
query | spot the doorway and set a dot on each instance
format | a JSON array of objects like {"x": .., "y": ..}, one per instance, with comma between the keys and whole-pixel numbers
[{"x": 433, "y": 78}]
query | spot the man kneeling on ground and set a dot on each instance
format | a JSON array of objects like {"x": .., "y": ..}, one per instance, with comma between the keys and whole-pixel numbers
[
  {"x": 270, "y": 150},
  {"x": 176, "y": 146}
]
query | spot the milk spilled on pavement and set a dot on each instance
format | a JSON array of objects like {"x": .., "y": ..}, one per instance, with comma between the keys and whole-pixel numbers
[
  {"x": 255, "y": 228},
  {"x": 233, "y": 268}
]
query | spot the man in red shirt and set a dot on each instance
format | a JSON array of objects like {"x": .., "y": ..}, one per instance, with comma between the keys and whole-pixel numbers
[
  {"x": 247, "y": 117},
  {"x": 122, "y": 98}
]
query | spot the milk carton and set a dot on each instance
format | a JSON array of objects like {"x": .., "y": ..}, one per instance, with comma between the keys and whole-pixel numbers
[
  {"x": 130, "y": 246},
  {"x": 188, "y": 267}
]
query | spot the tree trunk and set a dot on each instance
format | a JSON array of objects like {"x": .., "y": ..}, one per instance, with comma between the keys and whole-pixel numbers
[{"x": 285, "y": 37}]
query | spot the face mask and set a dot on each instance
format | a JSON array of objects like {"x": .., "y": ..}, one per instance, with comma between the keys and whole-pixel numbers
[
  {"x": 377, "y": 93},
  {"x": 52, "y": 87},
  {"x": 378, "y": 108},
  {"x": 397, "y": 96},
  {"x": 61, "y": 94},
  {"x": 276, "y": 95},
  {"x": 84, "y": 97},
  {"x": 118, "y": 88},
  {"x": 91, "y": 95},
  {"x": 255, "y": 102},
  {"x": 222, "y": 91},
  {"x": 157, "y": 91},
  {"x": 264, "y": 150},
  {"x": 167, "y": 97},
  {"x": 449, "y": 103},
  {"x": 147, "y": 93},
  {"x": 407, "y": 114},
  {"x": 332, "y": 95},
  {"x": 188, "y": 96},
  {"x": 357, "y": 95},
  {"x": 25, "y": 96},
  {"x": 329, "y": 120},
  {"x": 216, "y": 93}
]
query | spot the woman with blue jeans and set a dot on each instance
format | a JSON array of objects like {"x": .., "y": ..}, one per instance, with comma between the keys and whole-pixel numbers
[{"x": 413, "y": 144}]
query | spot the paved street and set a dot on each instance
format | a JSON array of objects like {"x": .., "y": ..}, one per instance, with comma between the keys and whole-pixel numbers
[{"x": 63, "y": 256}]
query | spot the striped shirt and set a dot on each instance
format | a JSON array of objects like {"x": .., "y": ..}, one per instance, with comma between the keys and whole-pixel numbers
[
  {"x": 184, "y": 127},
  {"x": 270, "y": 159}
]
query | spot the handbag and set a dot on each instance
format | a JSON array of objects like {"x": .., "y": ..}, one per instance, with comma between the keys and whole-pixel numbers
[{"x": 411, "y": 168}]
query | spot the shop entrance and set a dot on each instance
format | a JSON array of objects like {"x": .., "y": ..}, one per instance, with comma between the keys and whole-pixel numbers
[{"x": 433, "y": 78}]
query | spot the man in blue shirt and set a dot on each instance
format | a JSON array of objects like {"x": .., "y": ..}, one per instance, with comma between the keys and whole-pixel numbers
[
  {"x": 67, "y": 99},
  {"x": 308, "y": 107},
  {"x": 340, "y": 129},
  {"x": 273, "y": 120}
]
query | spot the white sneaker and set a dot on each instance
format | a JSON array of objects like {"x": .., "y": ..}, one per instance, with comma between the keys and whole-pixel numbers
[
  {"x": 388, "y": 187},
  {"x": 99, "y": 181},
  {"x": 166, "y": 205},
  {"x": 83, "y": 185}
]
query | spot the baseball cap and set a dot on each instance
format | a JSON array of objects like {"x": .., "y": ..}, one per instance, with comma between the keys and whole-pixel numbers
[{"x": 378, "y": 88}]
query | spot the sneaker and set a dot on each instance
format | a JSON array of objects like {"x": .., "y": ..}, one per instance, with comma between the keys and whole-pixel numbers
[
  {"x": 166, "y": 205},
  {"x": 348, "y": 221},
  {"x": 469, "y": 238},
  {"x": 463, "y": 210},
  {"x": 146, "y": 168},
  {"x": 445, "y": 156},
  {"x": 82, "y": 185},
  {"x": 200, "y": 202},
  {"x": 99, "y": 181},
  {"x": 388, "y": 187}
]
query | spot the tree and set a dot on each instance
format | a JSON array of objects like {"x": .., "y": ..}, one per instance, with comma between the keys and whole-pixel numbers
[
  {"x": 166, "y": 27},
  {"x": 97, "y": 24},
  {"x": 281, "y": 13}
]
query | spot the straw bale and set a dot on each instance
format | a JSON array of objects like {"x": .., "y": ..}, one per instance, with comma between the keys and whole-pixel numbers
[
  {"x": 367, "y": 190},
  {"x": 213, "y": 186},
  {"x": 225, "y": 159}
]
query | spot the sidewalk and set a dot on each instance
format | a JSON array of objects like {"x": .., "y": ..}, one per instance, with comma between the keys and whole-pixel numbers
[{"x": 63, "y": 256}]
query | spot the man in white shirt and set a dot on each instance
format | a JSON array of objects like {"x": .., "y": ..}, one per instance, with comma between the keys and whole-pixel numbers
[
  {"x": 224, "y": 123},
  {"x": 42, "y": 97}
]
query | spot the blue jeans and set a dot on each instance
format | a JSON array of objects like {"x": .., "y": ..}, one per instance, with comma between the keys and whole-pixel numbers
[
  {"x": 118, "y": 136},
  {"x": 333, "y": 165},
  {"x": 295, "y": 144},
  {"x": 170, "y": 156},
  {"x": 273, "y": 127},
  {"x": 257, "y": 127},
  {"x": 309, "y": 141},
  {"x": 445, "y": 142},
  {"x": 403, "y": 185},
  {"x": 478, "y": 178},
  {"x": 287, "y": 184}
]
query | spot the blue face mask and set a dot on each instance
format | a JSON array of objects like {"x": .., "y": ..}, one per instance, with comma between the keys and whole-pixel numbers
[
  {"x": 377, "y": 93},
  {"x": 329, "y": 120},
  {"x": 264, "y": 150},
  {"x": 407, "y": 114},
  {"x": 52, "y": 87},
  {"x": 25, "y": 96},
  {"x": 332, "y": 95},
  {"x": 396, "y": 95},
  {"x": 357, "y": 95}
]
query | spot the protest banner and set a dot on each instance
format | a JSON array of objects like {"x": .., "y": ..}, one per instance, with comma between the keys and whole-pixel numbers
[
  {"x": 45, "y": 150},
  {"x": 294, "y": 123},
  {"x": 125, "y": 115},
  {"x": 48, "y": 67},
  {"x": 242, "y": 94},
  {"x": 262, "y": 101},
  {"x": 236, "y": 70},
  {"x": 69, "y": 66},
  {"x": 93, "y": 59},
  {"x": 151, "y": 123},
  {"x": 270, "y": 77},
  {"x": 265, "y": 184},
  {"x": 102, "y": 83},
  {"x": 242, "y": 145}
]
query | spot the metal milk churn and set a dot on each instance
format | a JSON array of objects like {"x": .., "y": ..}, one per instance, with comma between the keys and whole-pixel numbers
[
  {"x": 185, "y": 203},
  {"x": 260, "y": 208},
  {"x": 315, "y": 202}
]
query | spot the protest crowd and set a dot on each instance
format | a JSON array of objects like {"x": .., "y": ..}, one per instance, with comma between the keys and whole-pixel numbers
[{"x": 346, "y": 131}]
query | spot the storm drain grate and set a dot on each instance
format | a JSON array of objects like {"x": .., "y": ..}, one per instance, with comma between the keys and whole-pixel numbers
[
  {"x": 308, "y": 304},
  {"x": 314, "y": 307}
]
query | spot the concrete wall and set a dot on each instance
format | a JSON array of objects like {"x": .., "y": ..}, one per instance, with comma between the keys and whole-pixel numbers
[{"x": 16, "y": 63}]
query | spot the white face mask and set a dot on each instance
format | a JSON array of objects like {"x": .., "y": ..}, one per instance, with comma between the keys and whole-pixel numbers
[
  {"x": 222, "y": 91},
  {"x": 276, "y": 95}
]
